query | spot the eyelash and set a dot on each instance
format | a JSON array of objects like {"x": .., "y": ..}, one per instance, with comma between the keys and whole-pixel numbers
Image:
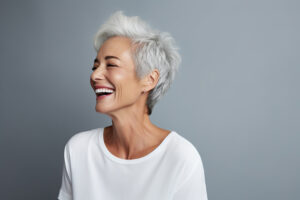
[{"x": 107, "y": 65}]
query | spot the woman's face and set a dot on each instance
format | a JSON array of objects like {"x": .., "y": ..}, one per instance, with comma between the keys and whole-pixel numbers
[{"x": 117, "y": 72}]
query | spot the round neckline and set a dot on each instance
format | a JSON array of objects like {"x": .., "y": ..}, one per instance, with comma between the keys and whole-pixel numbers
[{"x": 160, "y": 147}]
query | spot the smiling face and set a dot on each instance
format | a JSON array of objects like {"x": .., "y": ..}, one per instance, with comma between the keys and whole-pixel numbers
[{"x": 117, "y": 72}]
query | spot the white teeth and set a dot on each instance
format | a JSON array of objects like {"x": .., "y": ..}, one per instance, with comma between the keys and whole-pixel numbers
[{"x": 102, "y": 90}]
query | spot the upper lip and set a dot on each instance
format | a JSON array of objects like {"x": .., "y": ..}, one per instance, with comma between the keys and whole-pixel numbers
[{"x": 102, "y": 86}]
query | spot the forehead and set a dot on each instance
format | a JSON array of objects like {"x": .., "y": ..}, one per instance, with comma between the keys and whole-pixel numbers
[{"x": 118, "y": 46}]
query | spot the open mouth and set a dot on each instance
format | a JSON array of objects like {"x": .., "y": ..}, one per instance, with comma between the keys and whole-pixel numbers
[{"x": 104, "y": 93}]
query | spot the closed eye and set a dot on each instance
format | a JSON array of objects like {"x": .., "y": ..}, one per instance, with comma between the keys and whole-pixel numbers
[
  {"x": 107, "y": 65},
  {"x": 112, "y": 65}
]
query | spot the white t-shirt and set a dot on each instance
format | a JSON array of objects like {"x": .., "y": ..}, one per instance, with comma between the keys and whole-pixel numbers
[{"x": 172, "y": 171}]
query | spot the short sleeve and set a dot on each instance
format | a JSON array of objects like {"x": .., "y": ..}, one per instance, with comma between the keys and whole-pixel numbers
[
  {"x": 65, "y": 192},
  {"x": 194, "y": 186}
]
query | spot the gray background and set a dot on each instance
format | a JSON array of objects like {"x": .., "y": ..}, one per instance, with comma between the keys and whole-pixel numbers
[{"x": 236, "y": 96}]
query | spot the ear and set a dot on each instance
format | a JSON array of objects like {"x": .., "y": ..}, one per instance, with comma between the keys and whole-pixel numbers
[{"x": 151, "y": 80}]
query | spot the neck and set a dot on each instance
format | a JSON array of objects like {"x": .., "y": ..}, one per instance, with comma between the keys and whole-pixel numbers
[{"x": 132, "y": 134}]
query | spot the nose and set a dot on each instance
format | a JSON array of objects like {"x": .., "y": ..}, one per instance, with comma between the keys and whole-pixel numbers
[{"x": 98, "y": 74}]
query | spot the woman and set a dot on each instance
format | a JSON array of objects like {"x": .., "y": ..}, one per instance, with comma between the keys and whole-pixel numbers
[{"x": 133, "y": 158}]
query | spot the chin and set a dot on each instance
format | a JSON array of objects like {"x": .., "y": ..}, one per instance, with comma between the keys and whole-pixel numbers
[{"x": 101, "y": 109}]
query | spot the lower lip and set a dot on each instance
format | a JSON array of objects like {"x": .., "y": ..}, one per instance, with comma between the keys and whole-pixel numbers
[{"x": 103, "y": 96}]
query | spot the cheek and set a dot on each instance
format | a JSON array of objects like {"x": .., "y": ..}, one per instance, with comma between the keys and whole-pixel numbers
[{"x": 126, "y": 86}]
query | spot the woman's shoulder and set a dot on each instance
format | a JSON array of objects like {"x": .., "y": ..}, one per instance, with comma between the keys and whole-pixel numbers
[
  {"x": 185, "y": 157},
  {"x": 81, "y": 138},
  {"x": 184, "y": 150}
]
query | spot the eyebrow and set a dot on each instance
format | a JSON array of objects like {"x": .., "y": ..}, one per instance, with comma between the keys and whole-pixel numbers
[{"x": 106, "y": 58}]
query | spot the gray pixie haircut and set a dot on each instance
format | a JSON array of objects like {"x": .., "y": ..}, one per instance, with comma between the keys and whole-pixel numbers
[{"x": 155, "y": 49}]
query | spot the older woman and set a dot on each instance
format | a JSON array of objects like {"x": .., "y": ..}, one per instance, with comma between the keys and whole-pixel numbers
[{"x": 132, "y": 159}]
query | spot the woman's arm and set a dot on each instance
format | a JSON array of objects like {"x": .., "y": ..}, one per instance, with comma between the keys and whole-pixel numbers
[{"x": 65, "y": 192}]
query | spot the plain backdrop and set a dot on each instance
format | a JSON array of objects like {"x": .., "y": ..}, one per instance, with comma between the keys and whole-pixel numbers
[{"x": 236, "y": 96}]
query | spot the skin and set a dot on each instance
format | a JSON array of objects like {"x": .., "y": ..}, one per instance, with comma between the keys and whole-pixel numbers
[{"x": 132, "y": 135}]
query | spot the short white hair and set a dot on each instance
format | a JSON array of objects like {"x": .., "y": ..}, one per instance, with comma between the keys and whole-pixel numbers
[{"x": 155, "y": 50}]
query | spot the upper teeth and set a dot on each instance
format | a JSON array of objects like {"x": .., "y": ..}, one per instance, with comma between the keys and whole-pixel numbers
[{"x": 102, "y": 90}]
